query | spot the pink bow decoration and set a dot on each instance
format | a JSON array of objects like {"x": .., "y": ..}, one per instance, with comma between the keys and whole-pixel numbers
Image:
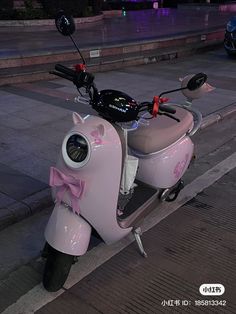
[{"x": 65, "y": 183}]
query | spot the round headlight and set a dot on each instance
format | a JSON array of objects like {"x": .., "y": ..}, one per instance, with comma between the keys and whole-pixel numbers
[{"x": 75, "y": 150}]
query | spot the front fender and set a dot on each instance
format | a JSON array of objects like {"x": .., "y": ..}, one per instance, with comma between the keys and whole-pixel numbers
[{"x": 67, "y": 232}]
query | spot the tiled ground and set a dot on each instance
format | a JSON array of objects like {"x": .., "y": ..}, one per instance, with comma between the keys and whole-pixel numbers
[{"x": 193, "y": 246}]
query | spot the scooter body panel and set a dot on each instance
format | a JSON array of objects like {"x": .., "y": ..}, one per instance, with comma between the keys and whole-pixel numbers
[
  {"x": 101, "y": 174},
  {"x": 163, "y": 169},
  {"x": 67, "y": 232}
]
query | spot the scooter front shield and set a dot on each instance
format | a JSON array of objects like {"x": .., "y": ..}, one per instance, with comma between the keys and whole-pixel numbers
[{"x": 67, "y": 232}]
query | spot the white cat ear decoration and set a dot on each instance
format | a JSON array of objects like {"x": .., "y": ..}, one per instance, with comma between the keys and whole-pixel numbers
[
  {"x": 195, "y": 94},
  {"x": 97, "y": 133},
  {"x": 77, "y": 118}
]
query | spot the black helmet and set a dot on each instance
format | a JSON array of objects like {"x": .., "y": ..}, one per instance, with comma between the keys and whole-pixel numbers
[{"x": 116, "y": 106}]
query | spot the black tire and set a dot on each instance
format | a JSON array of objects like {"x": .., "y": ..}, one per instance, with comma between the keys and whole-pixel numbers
[
  {"x": 231, "y": 54},
  {"x": 56, "y": 269},
  {"x": 172, "y": 197}
]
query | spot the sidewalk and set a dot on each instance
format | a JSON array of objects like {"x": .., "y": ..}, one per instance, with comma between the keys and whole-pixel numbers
[
  {"x": 35, "y": 117},
  {"x": 138, "y": 37}
]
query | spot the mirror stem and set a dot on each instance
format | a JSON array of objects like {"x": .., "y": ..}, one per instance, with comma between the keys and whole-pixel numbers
[
  {"x": 77, "y": 49},
  {"x": 172, "y": 91}
]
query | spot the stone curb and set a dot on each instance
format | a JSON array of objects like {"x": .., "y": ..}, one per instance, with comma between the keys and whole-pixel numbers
[
  {"x": 42, "y": 199},
  {"x": 218, "y": 115},
  {"x": 110, "y": 57},
  {"x": 46, "y": 22},
  {"x": 51, "y": 22},
  {"x": 20, "y": 210},
  {"x": 120, "y": 49}
]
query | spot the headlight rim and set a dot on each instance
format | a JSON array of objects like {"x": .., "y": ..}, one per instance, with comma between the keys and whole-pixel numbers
[{"x": 69, "y": 162}]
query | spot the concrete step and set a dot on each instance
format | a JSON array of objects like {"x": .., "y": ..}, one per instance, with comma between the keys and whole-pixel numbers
[{"x": 31, "y": 67}]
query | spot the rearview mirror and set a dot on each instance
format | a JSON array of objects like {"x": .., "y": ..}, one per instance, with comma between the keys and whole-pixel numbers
[
  {"x": 192, "y": 86},
  {"x": 196, "y": 81},
  {"x": 65, "y": 24}
]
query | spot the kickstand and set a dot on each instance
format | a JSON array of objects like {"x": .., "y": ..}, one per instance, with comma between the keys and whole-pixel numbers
[{"x": 137, "y": 232}]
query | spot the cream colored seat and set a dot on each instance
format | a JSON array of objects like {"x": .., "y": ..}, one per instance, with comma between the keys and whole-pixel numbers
[{"x": 161, "y": 132}]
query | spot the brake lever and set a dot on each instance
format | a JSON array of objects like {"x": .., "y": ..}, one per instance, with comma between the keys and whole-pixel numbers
[{"x": 169, "y": 116}]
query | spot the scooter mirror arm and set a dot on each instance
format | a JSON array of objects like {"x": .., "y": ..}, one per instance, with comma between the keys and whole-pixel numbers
[
  {"x": 63, "y": 75},
  {"x": 77, "y": 49},
  {"x": 172, "y": 91}
]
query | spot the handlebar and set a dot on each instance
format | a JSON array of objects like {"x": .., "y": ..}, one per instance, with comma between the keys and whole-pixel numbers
[
  {"x": 79, "y": 78},
  {"x": 65, "y": 76},
  {"x": 148, "y": 106},
  {"x": 167, "y": 109},
  {"x": 159, "y": 107},
  {"x": 65, "y": 70}
]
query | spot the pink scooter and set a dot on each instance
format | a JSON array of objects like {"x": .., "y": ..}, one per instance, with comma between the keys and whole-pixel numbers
[{"x": 116, "y": 167}]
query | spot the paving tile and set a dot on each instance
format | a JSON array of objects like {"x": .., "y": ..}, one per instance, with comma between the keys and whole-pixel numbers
[
  {"x": 35, "y": 168},
  {"x": 30, "y": 143},
  {"x": 17, "y": 283},
  {"x": 48, "y": 134},
  {"x": 19, "y": 210},
  {"x": 3, "y": 93},
  {"x": 5, "y": 200},
  {"x": 39, "y": 201},
  {"x": 6, "y": 218},
  {"x": 68, "y": 303},
  {"x": 10, "y": 153},
  {"x": 31, "y": 118},
  {"x": 48, "y": 84},
  {"x": 17, "y": 185},
  {"x": 16, "y": 123},
  {"x": 10, "y": 103},
  {"x": 21, "y": 243}
]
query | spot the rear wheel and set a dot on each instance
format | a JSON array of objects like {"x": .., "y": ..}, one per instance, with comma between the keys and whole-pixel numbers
[
  {"x": 56, "y": 269},
  {"x": 175, "y": 191}
]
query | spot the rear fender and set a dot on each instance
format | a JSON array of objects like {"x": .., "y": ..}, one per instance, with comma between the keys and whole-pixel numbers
[{"x": 67, "y": 232}]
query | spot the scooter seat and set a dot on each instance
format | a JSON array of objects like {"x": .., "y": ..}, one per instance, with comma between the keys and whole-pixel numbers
[{"x": 161, "y": 132}]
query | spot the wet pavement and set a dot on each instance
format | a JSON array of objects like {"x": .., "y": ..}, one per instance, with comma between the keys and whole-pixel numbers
[
  {"x": 132, "y": 26},
  {"x": 27, "y": 53}
]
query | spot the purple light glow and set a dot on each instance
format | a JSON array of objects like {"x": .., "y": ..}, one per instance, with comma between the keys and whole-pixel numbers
[
  {"x": 228, "y": 8},
  {"x": 139, "y": 1}
]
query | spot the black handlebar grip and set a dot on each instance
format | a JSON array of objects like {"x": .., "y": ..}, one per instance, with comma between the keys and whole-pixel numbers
[
  {"x": 65, "y": 76},
  {"x": 166, "y": 108},
  {"x": 65, "y": 70}
]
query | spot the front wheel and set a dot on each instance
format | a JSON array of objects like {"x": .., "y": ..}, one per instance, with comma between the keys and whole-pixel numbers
[{"x": 56, "y": 269}]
